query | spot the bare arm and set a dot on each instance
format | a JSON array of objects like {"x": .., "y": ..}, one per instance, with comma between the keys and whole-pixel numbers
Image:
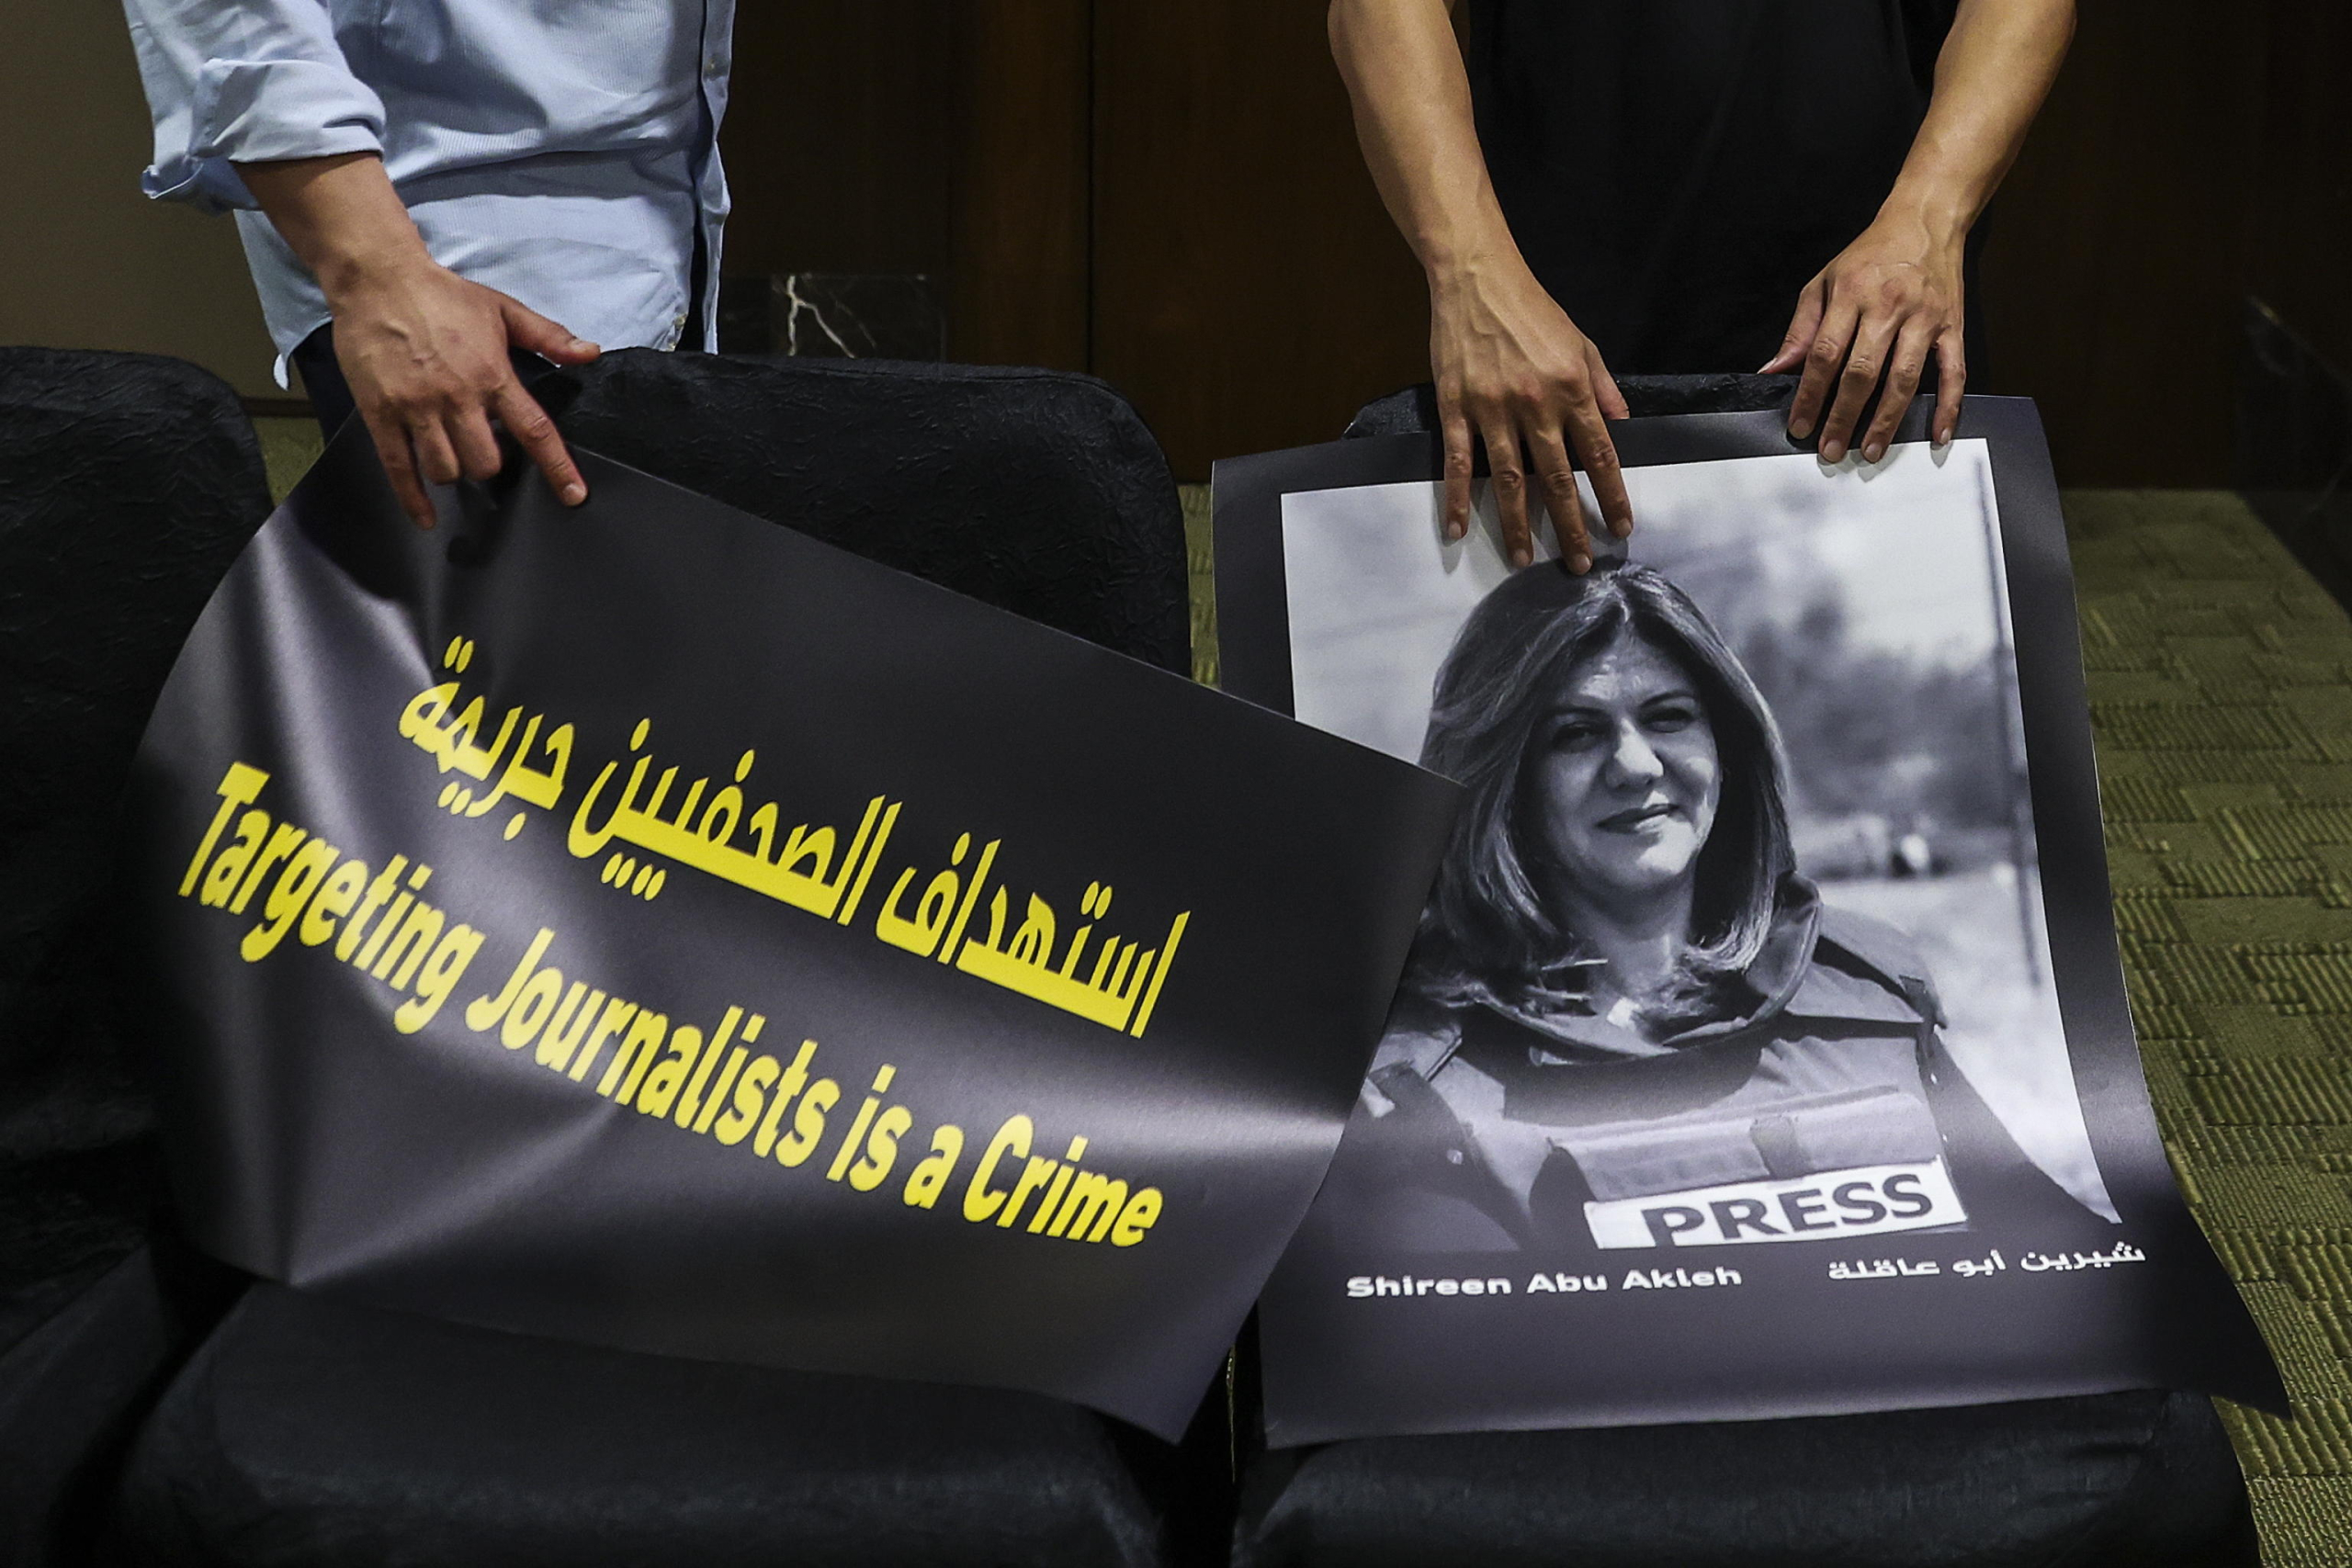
[
  {"x": 424, "y": 351},
  {"x": 1510, "y": 366},
  {"x": 1874, "y": 313}
]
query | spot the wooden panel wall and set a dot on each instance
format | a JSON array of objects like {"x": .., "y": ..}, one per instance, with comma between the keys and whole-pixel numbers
[
  {"x": 1170, "y": 196},
  {"x": 950, "y": 138},
  {"x": 2299, "y": 231},
  {"x": 2115, "y": 264},
  {"x": 1249, "y": 291},
  {"x": 1022, "y": 248},
  {"x": 837, "y": 136}
]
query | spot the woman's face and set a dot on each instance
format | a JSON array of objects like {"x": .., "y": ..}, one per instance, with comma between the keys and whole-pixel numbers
[{"x": 1622, "y": 782}]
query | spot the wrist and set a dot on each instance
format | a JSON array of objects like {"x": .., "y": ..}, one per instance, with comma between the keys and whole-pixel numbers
[
  {"x": 1469, "y": 242},
  {"x": 1940, "y": 208},
  {"x": 342, "y": 217},
  {"x": 351, "y": 272},
  {"x": 1455, "y": 276}
]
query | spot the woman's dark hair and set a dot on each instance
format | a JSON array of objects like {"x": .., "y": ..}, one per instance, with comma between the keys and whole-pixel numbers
[{"x": 1485, "y": 935}]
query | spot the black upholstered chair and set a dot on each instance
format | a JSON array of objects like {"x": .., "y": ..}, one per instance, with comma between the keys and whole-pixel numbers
[
  {"x": 313, "y": 1434},
  {"x": 299, "y": 1431},
  {"x": 2132, "y": 1479},
  {"x": 1038, "y": 492},
  {"x": 128, "y": 483},
  {"x": 2136, "y": 1479}
]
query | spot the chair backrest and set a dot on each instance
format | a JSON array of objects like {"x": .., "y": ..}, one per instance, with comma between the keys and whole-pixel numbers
[
  {"x": 128, "y": 484},
  {"x": 1414, "y": 410},
  {"x": 1038, "y": 491}
]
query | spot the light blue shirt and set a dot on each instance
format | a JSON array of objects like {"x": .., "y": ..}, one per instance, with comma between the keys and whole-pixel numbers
[{"x": 563, "y": 151}]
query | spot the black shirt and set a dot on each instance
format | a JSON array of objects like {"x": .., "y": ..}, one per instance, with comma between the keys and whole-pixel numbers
[{"x": 1675, "y": 171}]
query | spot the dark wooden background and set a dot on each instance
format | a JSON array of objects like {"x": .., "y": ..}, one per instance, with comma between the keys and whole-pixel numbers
[{"x": 1170, "y": 197}]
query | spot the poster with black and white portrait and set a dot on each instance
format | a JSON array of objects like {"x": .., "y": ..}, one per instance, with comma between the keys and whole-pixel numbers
[{"x": 1763, "y": 1049}]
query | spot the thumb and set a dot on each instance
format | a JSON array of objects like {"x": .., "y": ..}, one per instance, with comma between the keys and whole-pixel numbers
[
  {"x": 1605, "y": 390},
  {"x": 1803, "y": 325},
  {"x": 1791, "y": 355},
  {"x": 528, "y": 330}
]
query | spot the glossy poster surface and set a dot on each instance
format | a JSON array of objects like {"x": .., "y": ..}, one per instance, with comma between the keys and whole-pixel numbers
[
  {"x": 648, "y": 926},
  {"x": 1763, "y": 1048}
]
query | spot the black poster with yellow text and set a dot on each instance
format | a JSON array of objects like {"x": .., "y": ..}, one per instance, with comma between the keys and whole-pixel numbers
[{"x": 646, "y": 925}]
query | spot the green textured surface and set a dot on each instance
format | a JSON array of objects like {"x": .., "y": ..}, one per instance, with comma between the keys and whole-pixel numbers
[
  {"x": 2221, "y": 686},
  {"x": 1199, "y": 562},
  {"x": 288, "y": 448}
]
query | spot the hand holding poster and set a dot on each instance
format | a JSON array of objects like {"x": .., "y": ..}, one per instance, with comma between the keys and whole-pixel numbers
[
  {"x": 1763, "y": 1049},
  {"x": 644, "y": 925}
]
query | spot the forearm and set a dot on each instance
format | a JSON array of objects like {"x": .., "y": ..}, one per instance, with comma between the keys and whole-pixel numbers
[
  {"x": 1405, "y": 76},
  {"x": 341, "y": 216},
  {"x": 1996, "y": 68},
  {"x": 1510, "y": 369}
]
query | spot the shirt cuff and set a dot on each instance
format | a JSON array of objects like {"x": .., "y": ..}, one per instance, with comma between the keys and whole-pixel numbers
[{"x": 260, "y": 111}]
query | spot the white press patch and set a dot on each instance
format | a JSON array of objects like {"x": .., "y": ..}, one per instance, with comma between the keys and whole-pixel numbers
[{"x": 1829, "y": 1205}]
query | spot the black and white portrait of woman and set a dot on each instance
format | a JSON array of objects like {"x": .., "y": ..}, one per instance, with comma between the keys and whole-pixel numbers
[{"x": 1671, "y": 990}]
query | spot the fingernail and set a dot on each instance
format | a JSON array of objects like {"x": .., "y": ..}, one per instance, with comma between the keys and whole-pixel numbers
[
  {"x": 582, "y": 345},
  {"x": 1622, "y": 528},
  {"x": 1454, "y": 532},
  {"x": 1874, "y": 451},
  {"x": 1799, "y": 429},
  {"x": 1833, "y": 451},
  {"x": 574, "y": 493},
  {"x": 1579, "y": 564},
  {"x": 1943, "y": 437},
  {"x": 1522, "y": 558}
]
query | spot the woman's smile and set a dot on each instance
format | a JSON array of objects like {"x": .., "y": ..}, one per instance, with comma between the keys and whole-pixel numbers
[{"x": 1640, "y": 819}]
